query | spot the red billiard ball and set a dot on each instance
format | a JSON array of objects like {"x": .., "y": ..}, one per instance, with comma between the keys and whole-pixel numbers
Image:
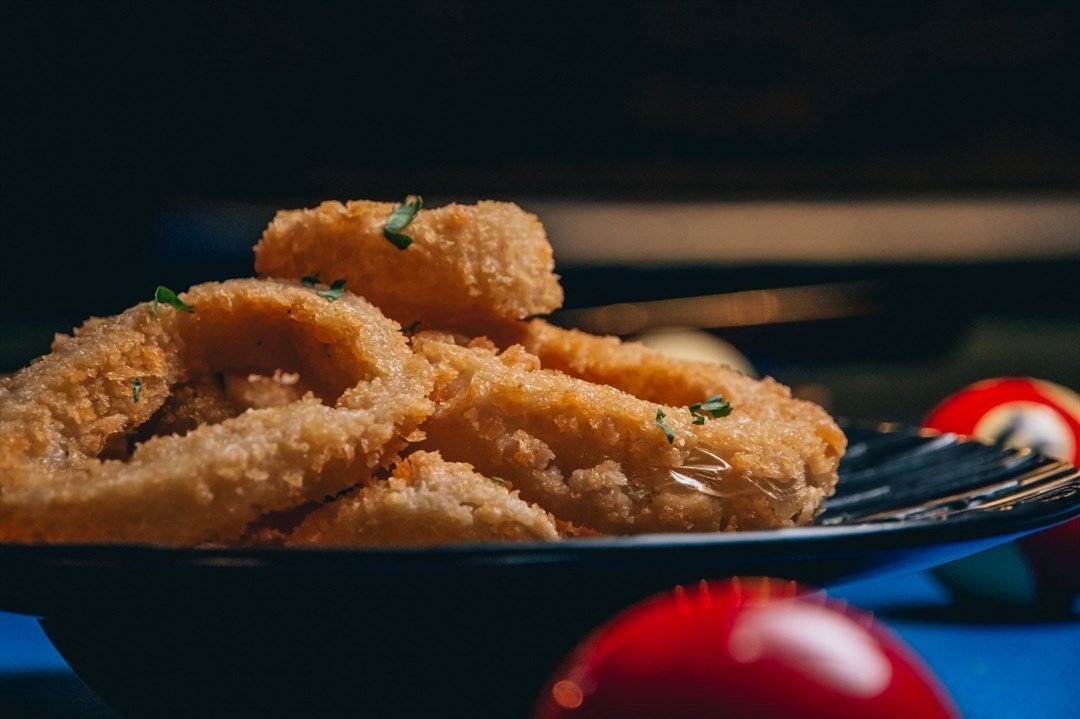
[
  {"x": 742, "y": 649},
  {"x": 1015, "y": 412},
  {"x": 1040, "y": 570}
]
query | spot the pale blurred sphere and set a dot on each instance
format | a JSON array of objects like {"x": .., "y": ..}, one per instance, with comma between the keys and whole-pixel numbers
[{"x": 692, "y": 344}]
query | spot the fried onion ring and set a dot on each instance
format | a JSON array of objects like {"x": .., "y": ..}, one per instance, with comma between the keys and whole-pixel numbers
[
  {"x": 426, "y": 501},
  {"x": 654, "y": 377},
  {"x": 594, "y": 455},
  {"x": 58, "y": 414},
  {"x": 486, "y": 261}
]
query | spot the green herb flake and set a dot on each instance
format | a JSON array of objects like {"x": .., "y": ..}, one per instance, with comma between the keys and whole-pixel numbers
[
  {"x": 663, "y": 425},
  {"x": 715, "y": 407},
  {"x": 334, "y": 293},
  {"x": 399, "y": 219},
  {"x": 698, "y": 419},
  {"x": 312, "y": 279},
  {"x": 500, "y": 480},
  {"x": 410, "y": 328},
  {"x": 136, "y": 388},
  {"x": 163, "y": 295}
]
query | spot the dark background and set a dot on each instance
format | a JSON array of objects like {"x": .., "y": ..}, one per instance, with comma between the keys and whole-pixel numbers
[
  {"x": 147, "y": 143},
  {"x": 132, "y": 126}
]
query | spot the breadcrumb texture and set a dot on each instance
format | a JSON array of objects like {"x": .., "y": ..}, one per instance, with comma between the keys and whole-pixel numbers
[
  {"x": 652, "y": 376},
  {"x": 59, "y": 414},
  {"x": 486, "y": 261},
  {"x": 426, "y": 501},
  {"x": 594, "y": 455}
]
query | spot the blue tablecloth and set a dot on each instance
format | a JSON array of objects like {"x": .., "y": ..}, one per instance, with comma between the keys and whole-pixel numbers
[{"x": 995, "y": 668}]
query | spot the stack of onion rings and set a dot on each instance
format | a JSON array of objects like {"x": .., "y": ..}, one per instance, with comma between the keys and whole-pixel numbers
[
  {"x": 294, "y": 413},
  {"x": 594, "y": 455}
]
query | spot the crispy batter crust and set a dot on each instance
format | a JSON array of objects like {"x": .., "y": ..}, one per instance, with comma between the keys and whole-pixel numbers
[
  {"x": 58, "y": 414},
  {"x": 426, "y": 501},
  {"x": 594, "y": 455},
  {"x": 652, "y": 376},
  {"x": 491, "y": 260}
]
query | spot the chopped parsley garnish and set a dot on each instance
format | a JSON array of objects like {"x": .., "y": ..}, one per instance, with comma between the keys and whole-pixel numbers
[
  {"x": 410, "y": 328},
  {"x": 500, "y": 480},
  {"x": 663, "y": 425},
  {"x": 715, "y": 407},
  {"x": 163, "y": 295},
  {"x": 331, "y": 294},
  {"x": 136, "y": 388},
  {"x": 399, "y": 219},
  {"x": 334, "y": 293}
]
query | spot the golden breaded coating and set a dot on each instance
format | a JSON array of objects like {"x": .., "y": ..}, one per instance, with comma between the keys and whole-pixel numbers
[
  {"x": 426, "y": 501},
  {"x": 654, "y": 377},
  {"x": 595, "y": 456},
  {"x": 491, "y": 260},
  {"x": 58, "y": 414}
]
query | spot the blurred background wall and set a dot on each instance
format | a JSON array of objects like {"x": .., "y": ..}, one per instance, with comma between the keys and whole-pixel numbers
[{"x": 920, "y": 160}]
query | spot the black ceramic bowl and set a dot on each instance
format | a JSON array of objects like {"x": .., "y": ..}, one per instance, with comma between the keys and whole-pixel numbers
[{"x": 473, "y": 631}]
